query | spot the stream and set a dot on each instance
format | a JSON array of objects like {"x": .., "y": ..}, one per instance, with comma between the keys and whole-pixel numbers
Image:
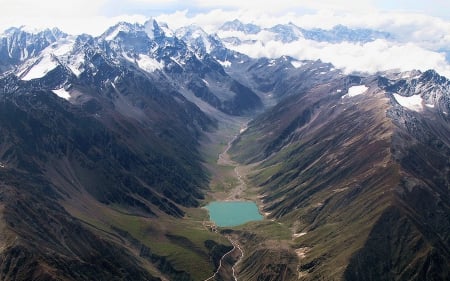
[{"x": 233, "y": 195}]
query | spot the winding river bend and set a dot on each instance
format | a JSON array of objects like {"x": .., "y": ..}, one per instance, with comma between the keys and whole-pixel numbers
[{"x": 236, "y": 247}]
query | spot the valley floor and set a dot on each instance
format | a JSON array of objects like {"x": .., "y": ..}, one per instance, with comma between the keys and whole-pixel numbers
[{"x": 229, "y": 183}]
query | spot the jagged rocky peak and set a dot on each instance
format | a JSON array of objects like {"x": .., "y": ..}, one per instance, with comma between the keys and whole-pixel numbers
[
  {"x": 124, "y": 27},
  {"x": 190, "y": 31},
  {"x": 341, "y": 33},
  {"x": 20, "y": 44},
  {"x": 156, "y": 30},
  {"x": 198, "y": 40},
  {"x": 286, "y": 32},
  {"x": 151, "y": 28},
  {"x": 433, "y": 77},
  {"x": 51, "y": 34},
  {"x": 419, "y": 91}
]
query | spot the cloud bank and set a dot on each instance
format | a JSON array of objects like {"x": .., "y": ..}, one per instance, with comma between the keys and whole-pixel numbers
[
  {"x": 379, "y": 55},
  {"x": 419, "y": 41}
]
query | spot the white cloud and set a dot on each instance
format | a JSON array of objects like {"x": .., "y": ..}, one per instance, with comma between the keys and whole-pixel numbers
[
  {"x": 46, "y": 8},
  {"x": 208, "y": 21},
  {"x": 371, "y": 57},
  {"x": 272, "y": 7},
  {"x": 153, "y": 2},
  {"x": 69, "y": 14}
]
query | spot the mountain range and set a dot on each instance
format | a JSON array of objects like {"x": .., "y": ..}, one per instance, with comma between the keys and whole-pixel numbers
[{"x": 106, "y": 143}]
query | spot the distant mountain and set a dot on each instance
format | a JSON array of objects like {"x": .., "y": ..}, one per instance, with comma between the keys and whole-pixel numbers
[
  {"x": 203, "y": 44},
  {"x": 286, "y": 33},
  {"x": 237, "y": 25},
  {"x": 340, "y": 33}
]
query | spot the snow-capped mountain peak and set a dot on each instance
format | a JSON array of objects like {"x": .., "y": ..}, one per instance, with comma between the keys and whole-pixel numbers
[
  {"x": 196, "y": 38},
  {"x": 114, "y": 31},
  {"x": 18, "y": 44},
  {"x": 153, "y": 29},
  {"x": 237, "y": 25}
]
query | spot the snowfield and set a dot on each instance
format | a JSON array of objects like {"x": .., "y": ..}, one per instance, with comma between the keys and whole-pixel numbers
[
  {"x": 62, "y": 93},
  {"x": 414, "y": 103},
  {"x": 355, "y": 91},
  {"x": 41, "y": 68}
]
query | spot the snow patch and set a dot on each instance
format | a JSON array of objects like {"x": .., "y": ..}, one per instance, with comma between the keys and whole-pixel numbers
[
  {"x": 429, "y": 105},
  {"x": 198, "y": 33},
  {"x": 41, "y": 68},
  {"x": 115, "y": 87},
  {"x": 296, "y": 235},
  {"x": 61, "y": 49},
  {"x": 148, "y": 64},
  {"x": 128, "y": 58},
  {"x": 24, "y": 54},
  {"x": 414, "y": 103},
  {"x": 355, "y": 91},
  {"x": 62, "y": 93},
  {"x": 225, "y": 63},
  {"x": 301, "y": 252},
  {"x": 178, "y": 61},
  {"x": 2, "y": 165},
  {"x": 167, "y": 31},
  {"x": 75, "y": 64},
  {"x": 206, "y": 82}
]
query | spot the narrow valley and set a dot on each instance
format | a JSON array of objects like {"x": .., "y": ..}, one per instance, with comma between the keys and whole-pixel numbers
[
  {"x": 158, "y": 152},
  {"x": 268, "y": 237}
]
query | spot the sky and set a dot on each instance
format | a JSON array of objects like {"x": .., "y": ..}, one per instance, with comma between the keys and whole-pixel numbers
[
  {"x": 421, "y": 28},
  {"x": 94, "y": 16}
]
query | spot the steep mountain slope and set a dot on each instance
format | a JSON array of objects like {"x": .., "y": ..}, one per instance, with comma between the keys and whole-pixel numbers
[
  {"x": 360, "y": 171},
  {"x": 99, "y": 163},
  {"x": 274, "y": 79},
  {"x": 53, "y": 152}
]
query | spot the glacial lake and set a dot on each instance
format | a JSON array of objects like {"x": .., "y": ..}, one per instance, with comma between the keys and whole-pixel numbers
[{"x": 233, "y": 213}]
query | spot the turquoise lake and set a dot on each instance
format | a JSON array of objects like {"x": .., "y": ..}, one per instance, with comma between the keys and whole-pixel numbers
[{"x": 233, "y": 213}]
